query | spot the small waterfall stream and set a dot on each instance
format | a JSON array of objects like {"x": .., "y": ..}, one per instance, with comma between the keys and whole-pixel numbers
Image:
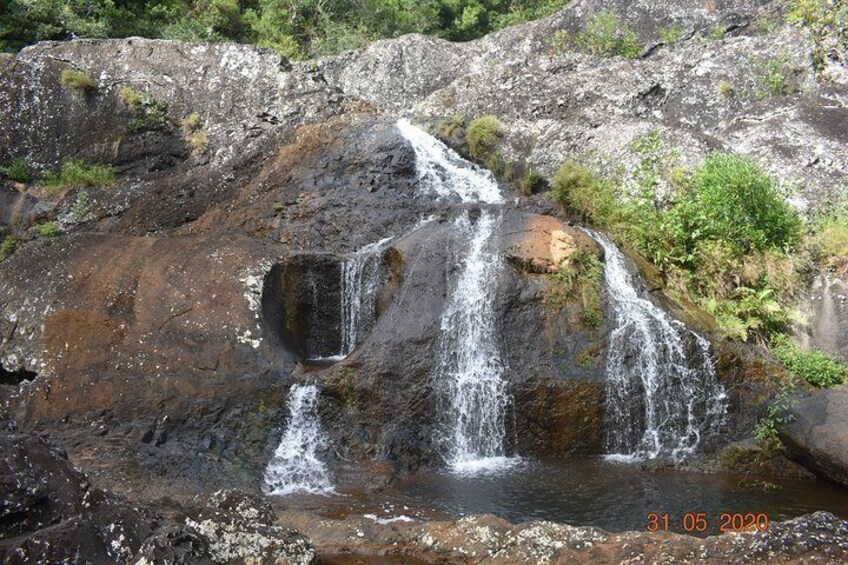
[
  {"x": 663, "y": 396},
  {"x": 360, "y": 283},
  {"x": 469, "y": 370},
  {"x": 296, "y": 465}
]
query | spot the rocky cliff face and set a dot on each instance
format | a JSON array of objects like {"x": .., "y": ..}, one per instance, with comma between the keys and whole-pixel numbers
[{"x": 156, "y": 339}]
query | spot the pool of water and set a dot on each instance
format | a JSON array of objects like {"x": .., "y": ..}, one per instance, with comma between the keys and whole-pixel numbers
[{"x": 615, "y": 496}]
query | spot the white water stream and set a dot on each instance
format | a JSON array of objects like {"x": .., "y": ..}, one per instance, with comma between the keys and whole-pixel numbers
[
  {"x": 469, "y": 371},
  {"x": 663, "y": 396},
  {"x": 296, "y": 465}
]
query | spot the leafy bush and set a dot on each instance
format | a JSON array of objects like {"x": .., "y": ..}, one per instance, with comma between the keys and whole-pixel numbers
[
  {"x": 734, "y": 200},
  {"x": 751, "y": 313},
  {"x": 581, "y": 276},
  {"x": 832, "y": 241},
  {"x": 77, "y": 173},
  {"x": 775, "y": 76},
  {"x": 815, "y": 366},
  {"x": 483, "y": 136},
  {"x": 827, "y": 20},
  {"x": 608, "y": 36},
  {"x": 148, "y": 114},
  {"x": 48, "y": 229},
  {"x": 726, "y": 89},
  {"x": 671, "y": 34},
  {"x": 765, "y": 431},
  {"x": 530, "y": 182},
  {"x": 584, "y": 194},
  {"x": 17, "y": 170},
  {"x": 8, "y": 246},
  {"x": 81, "y": 207},
  {"x": 79, "y": 81}
]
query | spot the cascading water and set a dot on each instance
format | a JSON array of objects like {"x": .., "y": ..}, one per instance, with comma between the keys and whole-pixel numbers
[
  {"x": 469, "y": 370},
  {"x": 441, "y": 170},
  {"x": 662, "y": 393},
  {"x": 296, "y": 465},
  {"x": 360, "y": 282}
]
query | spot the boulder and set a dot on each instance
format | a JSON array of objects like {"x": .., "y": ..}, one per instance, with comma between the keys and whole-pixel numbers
[{"x": 816, "y": 433}]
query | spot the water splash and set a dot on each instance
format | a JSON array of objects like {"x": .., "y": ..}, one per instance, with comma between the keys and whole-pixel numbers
[
  {"x": 360, "y": 283},
  {"x": 442, "y": 171},
  {"x": 663, "y": 396},
  {"x": 296, "y": 465}
]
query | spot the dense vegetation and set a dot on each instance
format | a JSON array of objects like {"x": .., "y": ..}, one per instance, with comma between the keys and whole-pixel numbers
[{"x": 296, "y": 28}]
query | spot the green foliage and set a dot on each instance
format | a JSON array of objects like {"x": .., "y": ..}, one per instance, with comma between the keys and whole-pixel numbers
[
  {"x": 717, "y": 32},
  {"x": 581, "y": 276},
  {"x": 606, "y": 35},
  {"x": 671, "y": 34},
  {"x": 483, "y": 136},
  {"x": 450, "y": 126},
  {"x": 48, "y": 229},
  {"x": 751, "y": 313},
  {"x": 296, "y": 28},
  {"x": 148, "y": 114},
  {"x": 76, "y": 173},
  {"x": 81, "y": 207},
  {"x": 765, "y": 431},
  {"x": 827, "y": 21},
  {"x": 832, "y": 242},
  {"x": 8, "y": 246},
  {"x": 78, "y": 81},
  {"x": 775, "y": 76},
  {"x": 815, "y": 366},
  {"x": 584, "y": 194},
  {"x": 193, "y": 133},
  {"x": 730, "y": 199},
  {"x": 530, "y": 183},
  {"x": 17, "y": 170},
  {"x": 726, "y": 89}
]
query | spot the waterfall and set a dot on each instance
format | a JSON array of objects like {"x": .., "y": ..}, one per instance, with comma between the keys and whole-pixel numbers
[
  {"x": 296, "y": 466},
  {"x": 360, "y": 283},
  {"x": 662, "y": 393},
  {"x": 469, "y": 369},
  {"x": 443, "y": 172}
]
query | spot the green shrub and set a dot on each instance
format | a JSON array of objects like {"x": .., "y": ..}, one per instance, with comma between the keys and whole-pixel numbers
[
  {"x": 717, "y": 32},
  {"x": 81, "y": 207},
  {"x": 483, "y": 136},
  {"x": 733, "y": 199},
  {"x": 531, "y": 182},
  {"x": 751, "y": 313},
  {"x": 827, "y": 21},
  {"x": 775, "y": 76},
  {"x": 584, "y": 194},
  {"x": 76, "y": 173},
  {"x": 78, "y": 81},
  {"x": 777, "y": 414},
  {"x": 608, "y": 36},
  {"x": 48, "y": 229},
  {"x": 148, "y": 114},
  {"x": 8, "y": 246},
  {"x": 581, "y": 276},
  {"x": 17, "y": 170},
  {"x": 832, "y": 241},
  {"x": 815, "y": 366},
  {"x": 450, "y": 126},
  {"x": 726, "y": 89},
  {"x": 671, "y": 34}
]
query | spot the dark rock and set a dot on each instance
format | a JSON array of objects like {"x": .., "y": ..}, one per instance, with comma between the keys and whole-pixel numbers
[{"x": 816, "y": 436}]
